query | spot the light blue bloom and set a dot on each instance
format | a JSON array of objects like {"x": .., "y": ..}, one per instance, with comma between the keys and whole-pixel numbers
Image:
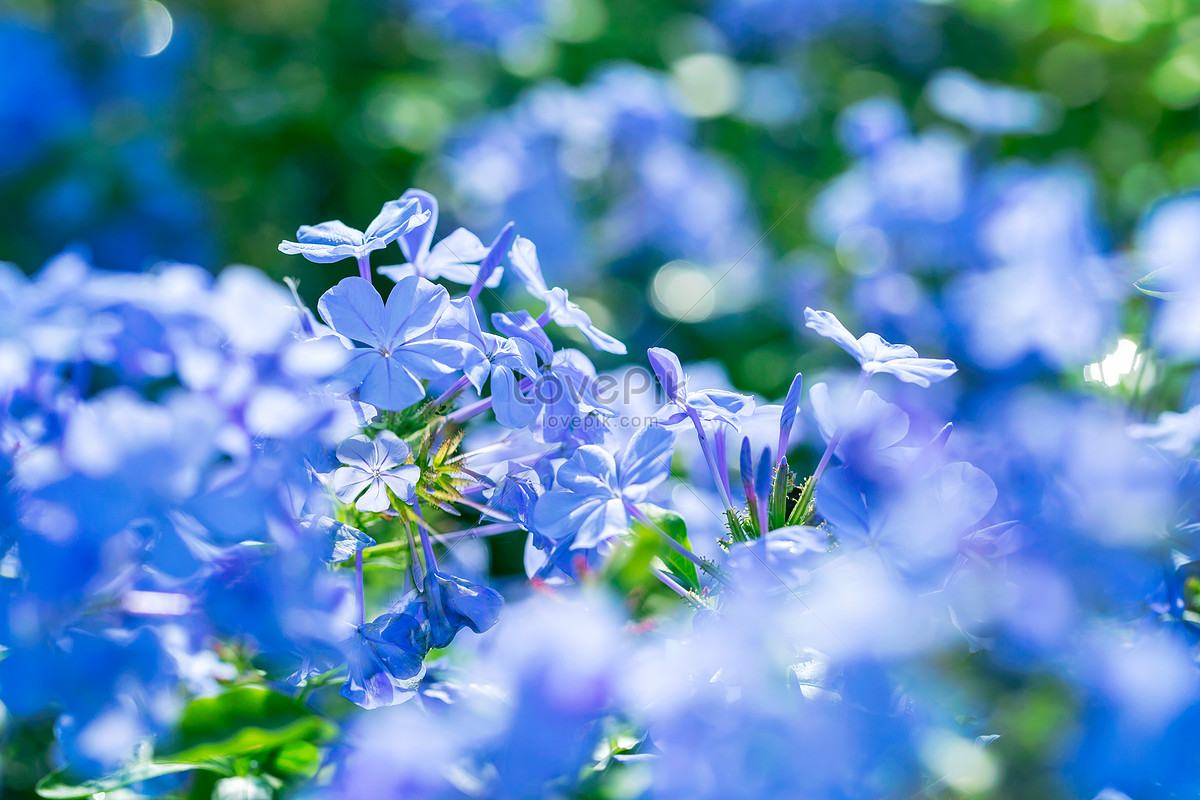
[
  {"x": 595, "y": 492},
  {"x": 341, "y": 541},
  {"x": 400, "y": 347},
  {"x": 876, "y": 354},
  {"x": 372, "y": 468},
  {"x": 328, "y": 242},
  {"x": 709, "y": 405},
  {"x": 447, "y": 604},
  {"x": 524, "y": 260},
  {"x": 454, "y": 258}
]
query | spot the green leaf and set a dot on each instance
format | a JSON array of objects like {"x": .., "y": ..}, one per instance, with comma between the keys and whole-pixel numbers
[
  {"x": 1156, "y": 284},
  {"x": 297, "y": 759},
  {"x": 242, "y": 721},
  {"x": 668, "y": 522},
  {"x": 55, "y": 786}
]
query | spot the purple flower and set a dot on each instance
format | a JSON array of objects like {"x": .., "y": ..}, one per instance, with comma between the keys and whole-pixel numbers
[
  {"x": 333, "y": 241},
  {"x": 595, "y": 491},
  {"x": 713, "y": 405},
  {"x": 524, "y": 261},
  {"x": 401, "y": 346},
  {"x": 453, "y": 258},
  {"x": 876, "y": 354},
  {"x": 372, "y": 467}
]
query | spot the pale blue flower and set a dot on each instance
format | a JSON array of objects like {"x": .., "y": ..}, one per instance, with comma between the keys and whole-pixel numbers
[
  {"x": 401, "y": 347},
  {"x": 524, "y": 263},
  {"x": 595, "y": 491},
  {"x": 372, "y": 467},
  {"x": 454, "y": 258},
  {"x": 328, "y": 242},
  {"x": 710, "y": 405},
  {"x": 876, "y": 354}
]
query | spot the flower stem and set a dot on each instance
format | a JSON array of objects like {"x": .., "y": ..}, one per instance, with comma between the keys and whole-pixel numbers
[
  {"x": 860, "y": 386},
  {"x": 426, "y": 544},
  {"x": 454, "y": 389},
  {"x": 358, "y": 585},
  {"x": 466, "y": 412},
  {"x": 708, "y": 456},
  {"x": 364, "y": 268}
]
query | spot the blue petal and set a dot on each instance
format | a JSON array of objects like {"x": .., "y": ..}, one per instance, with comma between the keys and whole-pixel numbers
[
  {"x": 452, "y": 603},
  {"x": 521, "y": 324},
  {"x": 670, "y": 373},
  {"x": 355, "y": 310},
  {"x": 827, "y": 325},
  {"x": 415, "y": 243},
  {"x": 841, "y": 503},
  {"x": 397, "y": 217},
  {"x": 523, "y": 262},
  {"x": 512, "y": 409},
  {"x": 646, "y": 462}
]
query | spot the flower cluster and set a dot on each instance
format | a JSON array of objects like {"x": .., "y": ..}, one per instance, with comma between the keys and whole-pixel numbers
[{"x": 222, "y": 510}]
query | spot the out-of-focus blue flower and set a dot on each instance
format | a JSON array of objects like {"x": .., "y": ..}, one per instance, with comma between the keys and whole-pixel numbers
[
  {"x": 1049, "y": 289},
  {"x": 962, "y": 97},
  {"x": 876, "y": 354},
  {"x": 1168, "y": 246},
  {"x": 915, "y": 521},
  {"x": 400, "y": 348},
  {"x": 373, "y": 467},
  {"x": 619, "y": 138},
  {"x": 328, "y": 242},
  {"x": 594, "y": 493}
]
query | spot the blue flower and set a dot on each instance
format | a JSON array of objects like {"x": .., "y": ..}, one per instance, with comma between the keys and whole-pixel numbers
[
  {"x": 712, "y": 405},
  {"x": 372, "y": 467},
  {"x": 524, "y": 260},
  {"x": 555, "y": 399},
  {"x": 876, "y": 354},
  {"x": 595, "y": 492},
  {"x": 400, "y": 345},
  {"x": 449, "y": 603},
  {"x": 385, "y": 660},
  {"x": 340, "y": 541},
  {"x": 454, "y": 258},
  {"x": 328, "y": 242}
]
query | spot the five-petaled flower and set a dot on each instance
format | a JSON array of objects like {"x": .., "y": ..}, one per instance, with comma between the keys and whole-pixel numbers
[
  {"x": 711, "y": 405},
  {"x": 401, "y": 345},
  {"x": 596, "y": 494},
  {"x": 877, "y": 354},
  {"x": 454, "y": 258},
  {"x": 371, "y": 468},
  {"x": 328, "y": 242},
  {"x": 523, "y": 260}
]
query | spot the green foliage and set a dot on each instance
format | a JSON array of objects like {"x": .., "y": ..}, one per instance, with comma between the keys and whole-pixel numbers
[
  {"x": 58, "y": 786},
  {"x": 631, "y": 569}
]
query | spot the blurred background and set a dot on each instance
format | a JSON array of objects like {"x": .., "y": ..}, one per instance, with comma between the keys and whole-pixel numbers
[{"x": 973, "y": 177}]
